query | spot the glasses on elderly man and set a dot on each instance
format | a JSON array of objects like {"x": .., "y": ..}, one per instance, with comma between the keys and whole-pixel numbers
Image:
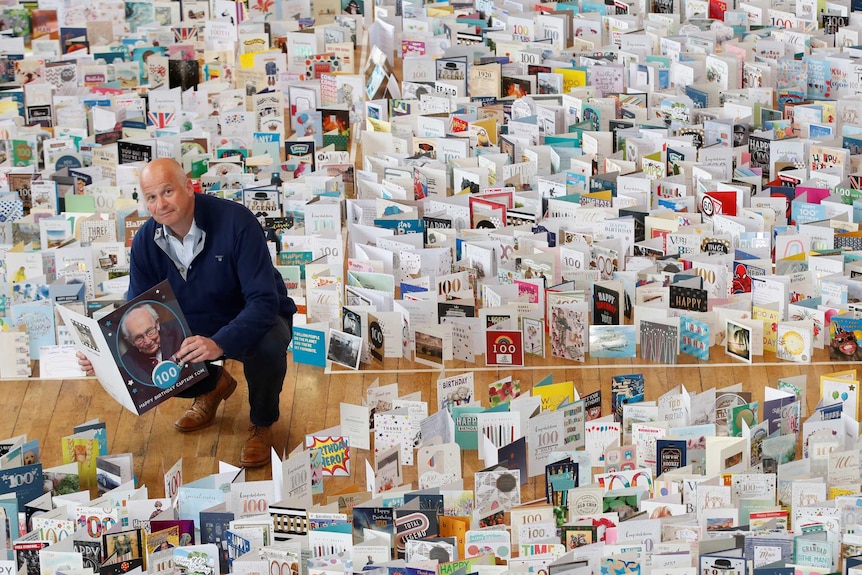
[{"x": 149, "y": 334}]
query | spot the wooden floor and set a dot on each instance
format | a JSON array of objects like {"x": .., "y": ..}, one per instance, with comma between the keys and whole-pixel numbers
[{"x": 48, "y": 409}]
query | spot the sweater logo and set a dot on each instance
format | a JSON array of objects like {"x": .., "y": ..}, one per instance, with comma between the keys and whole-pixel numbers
[{"x": 219, "y": 257}]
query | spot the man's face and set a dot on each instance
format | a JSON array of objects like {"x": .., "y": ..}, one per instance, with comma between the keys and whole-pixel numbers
[
  {"x": 168, "y": 197},
  {"x": 143, "y": 331}
]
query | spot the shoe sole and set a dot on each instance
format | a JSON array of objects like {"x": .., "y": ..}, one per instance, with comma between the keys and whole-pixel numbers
[
  {"x": 253, "y": 464},
  {"x": 211, "y": 421}
]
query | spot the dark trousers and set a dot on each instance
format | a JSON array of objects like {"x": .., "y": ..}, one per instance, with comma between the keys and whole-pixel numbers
[{"x": 265, "y": 366}]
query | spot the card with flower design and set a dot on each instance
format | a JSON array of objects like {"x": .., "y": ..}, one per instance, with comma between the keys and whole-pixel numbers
[{"x": 260, "y": 10}]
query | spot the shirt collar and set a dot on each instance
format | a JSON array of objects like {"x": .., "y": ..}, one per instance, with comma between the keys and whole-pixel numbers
[{"x": 194, "y": 231}]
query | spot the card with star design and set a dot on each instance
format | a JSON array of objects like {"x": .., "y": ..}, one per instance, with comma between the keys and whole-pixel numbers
[
  {"x": 841, "y": 386},
  {"x": 133, "y": 349}
]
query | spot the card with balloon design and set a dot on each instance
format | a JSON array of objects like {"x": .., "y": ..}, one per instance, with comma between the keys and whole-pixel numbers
[
  {"x": 496, "y": 541},
  {"x": 600, "y": 434},
  {"x": 841, "y": 386}
]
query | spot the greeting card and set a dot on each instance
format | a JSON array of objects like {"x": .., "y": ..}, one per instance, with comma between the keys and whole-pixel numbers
[
  {"x": 795, "y": 341},
  {"x": 504, "y": 348},
  {"x": 392, "y": 429},
  {"x": 498, "y": 489},
  {"x": 612, "y": 341}
]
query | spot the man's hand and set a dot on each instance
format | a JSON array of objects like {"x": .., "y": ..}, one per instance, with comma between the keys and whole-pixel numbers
[
  {"x": 198, "y": 348},
  {"x": 85, "y": 364}
]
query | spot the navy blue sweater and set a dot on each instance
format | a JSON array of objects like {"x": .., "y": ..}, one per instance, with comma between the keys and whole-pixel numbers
[{"x": 232, "y": 293}]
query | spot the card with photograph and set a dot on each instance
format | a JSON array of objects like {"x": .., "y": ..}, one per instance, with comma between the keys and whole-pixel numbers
[
  {"x": 344, "y": 349},
  {"x": 133, "y": 349},
  {"x": 388, "y": 469},
  {"x": 534, "y": 336},
  {"x": 431, "y": 347},
  {"x": 612, "y": 341},
  {"x": 144, "y": 336},
  {"x": 122, "y": 550},
  {"x": 738, "y": 342}
]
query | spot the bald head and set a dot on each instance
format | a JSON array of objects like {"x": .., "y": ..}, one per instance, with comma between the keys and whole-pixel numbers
[
  {"x": 163, "y": 167},
  {"x": 168, "y": 195}
]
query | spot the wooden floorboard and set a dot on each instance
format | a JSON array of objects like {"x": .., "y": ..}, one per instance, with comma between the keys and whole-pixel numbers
[
  {"x": 311, "y": 398},
  {"x": 10, "y": 408}
]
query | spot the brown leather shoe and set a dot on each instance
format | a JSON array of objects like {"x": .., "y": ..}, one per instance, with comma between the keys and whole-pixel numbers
[
  {"x": 203, "y": 410},
  {"x": 257, "y": 448}
]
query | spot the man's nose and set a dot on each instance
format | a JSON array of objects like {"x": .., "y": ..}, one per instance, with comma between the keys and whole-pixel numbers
[{"x": 160, "y": 202}]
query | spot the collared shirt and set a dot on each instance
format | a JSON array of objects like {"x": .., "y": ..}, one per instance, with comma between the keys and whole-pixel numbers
[
  {"x": 181, "y": 251},
  {"x": 229, "y": 295}
]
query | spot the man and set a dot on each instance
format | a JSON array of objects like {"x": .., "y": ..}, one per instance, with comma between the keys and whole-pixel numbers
[
  {"x": 123, "y": 548},
  {"x": 149, "y": 342},
  {"x": 214, "y": 255}
]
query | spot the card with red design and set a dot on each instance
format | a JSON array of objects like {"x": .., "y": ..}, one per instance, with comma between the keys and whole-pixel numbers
[
  {"x": 504, "y": 348},
  {"x": 317, "y": 64}
]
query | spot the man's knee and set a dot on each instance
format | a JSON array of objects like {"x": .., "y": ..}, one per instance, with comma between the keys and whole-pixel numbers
[
  {"x": 269, "y": 350},
  {"x": 272, "y": 346}
]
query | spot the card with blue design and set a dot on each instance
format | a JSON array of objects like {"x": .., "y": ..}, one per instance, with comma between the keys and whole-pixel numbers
[{"x": 134, "y": 349}]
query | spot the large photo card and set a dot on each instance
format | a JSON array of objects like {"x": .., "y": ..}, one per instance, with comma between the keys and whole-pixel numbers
[
  {"x": 144, "y": 337},
  {"x": 133, "y": 349}
]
